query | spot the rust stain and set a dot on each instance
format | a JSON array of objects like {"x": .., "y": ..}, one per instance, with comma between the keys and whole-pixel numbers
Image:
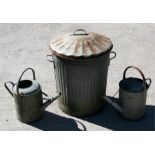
[
  {"x": 77, "y": 46},
  {"x": 81, "y": 45},
  {"x": 91, "y": 47},
  {"x": 57, "y": 40},
  {"x": 59, "y": 43}
]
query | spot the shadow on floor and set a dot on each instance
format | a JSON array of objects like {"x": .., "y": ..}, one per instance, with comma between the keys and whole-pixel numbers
[
  {"x": 53, "y": 122},
  {"x": 109, "y": 118}
]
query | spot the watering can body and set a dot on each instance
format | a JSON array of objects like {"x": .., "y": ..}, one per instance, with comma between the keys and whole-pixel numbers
[
  {"x": 132, "y": 103},
  {"x": 28, "y": 98},
  {"x": 132, "y": 96},
  {"x": 29, "y": 103}
]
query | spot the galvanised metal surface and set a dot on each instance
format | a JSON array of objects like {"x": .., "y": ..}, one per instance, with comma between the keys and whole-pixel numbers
[
  {"x": 28, "y": 99},
  {"x": 132, "y": 96},
  {"x": 29, "y": 108},
  {"x": 81, "y": 83},
  {"x": 133, "y": 103}
]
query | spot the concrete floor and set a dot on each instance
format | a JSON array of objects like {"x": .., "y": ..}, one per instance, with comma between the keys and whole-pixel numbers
[{"x": 26, "y": 45}]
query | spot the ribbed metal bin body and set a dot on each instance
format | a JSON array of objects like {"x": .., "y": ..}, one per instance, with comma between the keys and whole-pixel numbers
[{"x": 82, "y": 83}]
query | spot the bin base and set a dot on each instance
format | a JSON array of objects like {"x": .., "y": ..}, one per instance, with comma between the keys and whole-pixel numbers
[{"x": 68, "y": 111}]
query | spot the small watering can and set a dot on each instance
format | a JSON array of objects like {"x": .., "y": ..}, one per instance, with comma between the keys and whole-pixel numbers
[
  {"x": 132, "y": 96},
  {"x": 28, "y": 98}
]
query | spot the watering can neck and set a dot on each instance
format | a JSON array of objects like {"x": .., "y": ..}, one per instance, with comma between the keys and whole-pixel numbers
[
  {"x": 27, "y": 87},
  {"x": 132, "y": 84}
]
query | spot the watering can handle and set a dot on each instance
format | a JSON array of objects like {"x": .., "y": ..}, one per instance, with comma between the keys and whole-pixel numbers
[
  {"x": 5, "y": 84},
  {"x": 34, "y": 78},
  {"x": 141, "y": 73},
  {"x": 150, "y": 81}
]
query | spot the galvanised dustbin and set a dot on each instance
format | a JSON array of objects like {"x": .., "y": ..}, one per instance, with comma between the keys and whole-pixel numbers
[{"x": 81, "y": 62}]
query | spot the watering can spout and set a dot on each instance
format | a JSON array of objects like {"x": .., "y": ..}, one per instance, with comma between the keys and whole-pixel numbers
[
  {"x": 49, "y": 100},
  {"x": 113, "y": 103}
]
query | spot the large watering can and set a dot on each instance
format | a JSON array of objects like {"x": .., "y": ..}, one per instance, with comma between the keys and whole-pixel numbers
[
  {"x": 28, "y": 97},
  {"x": 132, "y": 96}
]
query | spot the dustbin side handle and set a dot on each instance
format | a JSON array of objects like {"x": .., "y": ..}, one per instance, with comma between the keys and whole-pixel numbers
[
  {"x": 114, "y": 55},
  {"x": 49, "y": 58}
]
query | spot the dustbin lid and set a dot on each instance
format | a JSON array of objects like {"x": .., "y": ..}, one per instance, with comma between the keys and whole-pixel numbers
[{"x": 80, "y": 43}]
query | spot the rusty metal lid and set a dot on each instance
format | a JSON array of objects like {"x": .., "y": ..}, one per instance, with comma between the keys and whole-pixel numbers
[{"x": 80, "y": 44}]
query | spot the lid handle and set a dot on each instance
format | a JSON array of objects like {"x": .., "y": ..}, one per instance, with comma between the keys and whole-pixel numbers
[
  {"x": 141, "y": 73},
  {"x": 34, "y": 78},
  {"x": 80, "y": 32}
]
